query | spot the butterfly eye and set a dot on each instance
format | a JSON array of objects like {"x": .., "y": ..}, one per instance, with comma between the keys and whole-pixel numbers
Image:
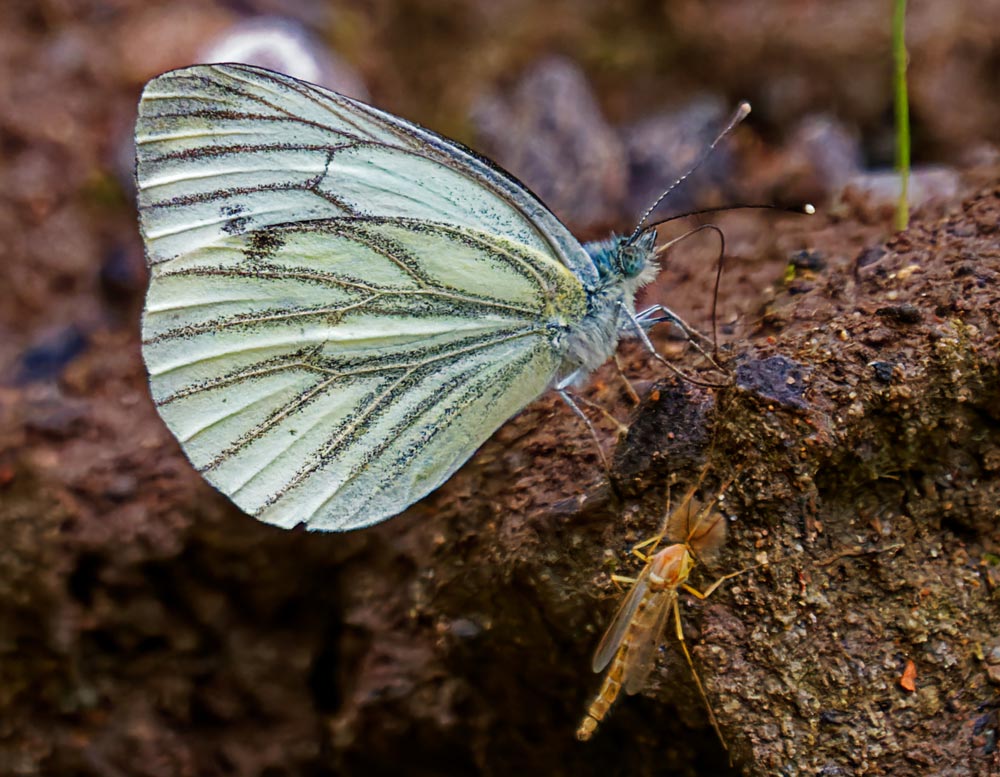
[{"x": 631, "y": 260}]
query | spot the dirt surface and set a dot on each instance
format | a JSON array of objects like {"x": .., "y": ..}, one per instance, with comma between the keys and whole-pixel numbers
[{"x": 149, "y": 628}]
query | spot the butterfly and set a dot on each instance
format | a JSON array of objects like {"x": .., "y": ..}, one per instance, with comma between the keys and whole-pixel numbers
[{"x": 343, "y": 306}]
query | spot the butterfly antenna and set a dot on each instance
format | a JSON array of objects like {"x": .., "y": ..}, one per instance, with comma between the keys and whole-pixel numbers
[
  {"x": 805, "y": 209},
  {"x": 742, "y": 111},
  {"x": 715, "y": 294},
  {"x": 692, "y": 334}
]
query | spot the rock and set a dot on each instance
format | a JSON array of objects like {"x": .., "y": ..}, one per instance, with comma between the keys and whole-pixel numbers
[
  {"x": 51, "y": 352},
  {"x": 824, "y": 154},
  {"x": 880, "y": 190},
  {"x": 776, "y": 378},
  {"x": 550, "y": 133},
  {"x": 663, "y": 147},
  {"x": 284, "y": 45}
]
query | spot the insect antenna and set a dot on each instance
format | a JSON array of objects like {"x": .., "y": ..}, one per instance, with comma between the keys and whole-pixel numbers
[
  {"x": 805, "y": 209},
  {"x": 714, "y": 358},
  {"x": 742, "y": 111},
  {"x": 715, "y": 293},
  {"x": 692, "y": 334}
]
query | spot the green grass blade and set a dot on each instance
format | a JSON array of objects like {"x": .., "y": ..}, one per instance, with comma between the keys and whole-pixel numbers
[{"x": 902, "y": 113}]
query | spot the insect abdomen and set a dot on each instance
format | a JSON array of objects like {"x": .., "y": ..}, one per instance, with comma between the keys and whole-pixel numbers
[{"x": 610, "y": 689}]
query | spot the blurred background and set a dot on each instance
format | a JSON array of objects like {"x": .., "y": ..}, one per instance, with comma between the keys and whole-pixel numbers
[{"x": 146, "y": 627}]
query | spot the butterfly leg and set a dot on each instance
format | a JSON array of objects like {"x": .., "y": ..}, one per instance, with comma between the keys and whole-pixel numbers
[
  {"x": 640, "y": 331},
  {"x": 568, "y": 399},
  {"x": 660, "y": 314},
  {"x": 632, "y": 393},
  {"x": 621, "y": 428}
]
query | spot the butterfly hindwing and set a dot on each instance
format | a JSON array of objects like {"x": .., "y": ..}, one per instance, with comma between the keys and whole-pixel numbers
[{"x": 333, "y": 372}]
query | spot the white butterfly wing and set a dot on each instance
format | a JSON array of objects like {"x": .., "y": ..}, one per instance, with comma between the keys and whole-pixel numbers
[
  {"x": 343, "y": 306},
  {"x": 225, "y": 149},
  {"x": 333, "y": 372}
]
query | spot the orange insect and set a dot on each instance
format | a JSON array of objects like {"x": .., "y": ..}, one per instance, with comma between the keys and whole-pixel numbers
[{"x": 630, "y": 642}]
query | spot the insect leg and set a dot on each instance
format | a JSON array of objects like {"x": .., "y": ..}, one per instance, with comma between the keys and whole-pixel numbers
[
  {"x": 632, "y": 393},
  {"x": 563, "y": 388},
  {"x": 711, "y": 589},
  {"x": 661, "y": 314},
  {"x": 654, "y": 541},
  {"x": 641, "y": 333},
  {"x": 694, "y": 673},
  {"x": 568, "y": 399},
  {"x": 622, "y": 428},
  {"x": 620, "y": 580},
  {"x": 647, "y": 319}
]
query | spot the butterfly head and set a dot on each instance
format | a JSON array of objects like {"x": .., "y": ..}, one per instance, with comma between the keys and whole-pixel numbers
[{"x": 620, "y": 260}]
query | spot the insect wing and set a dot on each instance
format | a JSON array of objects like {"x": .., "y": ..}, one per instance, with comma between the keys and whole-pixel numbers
[
  {"x": 708, "y": 536},
  {"x": 681, "y": 519},
  {"x": 343, "y": 306},
  {"x": 620, "y": 624},
  {"x": 646, "y": 638},
  {"x": 308, "y": 395},
  {"x": 226, "y": 149}
]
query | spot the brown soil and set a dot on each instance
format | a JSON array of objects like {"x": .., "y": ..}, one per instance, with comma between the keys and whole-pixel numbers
[{"x": 149, "y": 628}]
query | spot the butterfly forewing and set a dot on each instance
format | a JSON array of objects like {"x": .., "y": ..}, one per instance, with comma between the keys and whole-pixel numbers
[{"x": 226, "y": 149}]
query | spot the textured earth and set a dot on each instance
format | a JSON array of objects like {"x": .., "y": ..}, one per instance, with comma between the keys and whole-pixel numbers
[{"x": 148, "y": 628}]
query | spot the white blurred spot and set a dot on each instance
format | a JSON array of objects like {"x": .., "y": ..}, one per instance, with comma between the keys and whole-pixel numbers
[{"x": 287, "y": 47}]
